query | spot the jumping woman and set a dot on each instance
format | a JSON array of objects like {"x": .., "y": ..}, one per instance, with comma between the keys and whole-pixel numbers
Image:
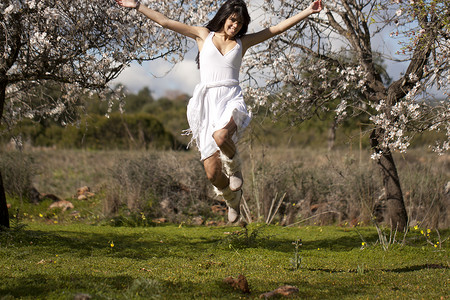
[{"x": 216, "y": 113}]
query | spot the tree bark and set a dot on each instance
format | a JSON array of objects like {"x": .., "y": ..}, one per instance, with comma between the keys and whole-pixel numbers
[
  {"x": 4, "y": 216},
  {"x": 389, "y": 208}
]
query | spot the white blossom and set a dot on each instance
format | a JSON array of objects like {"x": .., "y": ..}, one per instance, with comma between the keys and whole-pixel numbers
[
  {"x": 95, "y": 41},
  {"x": 9, "y": 9}
]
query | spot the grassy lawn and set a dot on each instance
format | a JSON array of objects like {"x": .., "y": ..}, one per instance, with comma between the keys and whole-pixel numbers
[{"x": 54, "y": 261}]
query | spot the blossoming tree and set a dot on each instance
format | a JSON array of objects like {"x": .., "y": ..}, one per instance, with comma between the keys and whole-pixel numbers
[
  {"x": 78, "y": 46},
  {"x": 333, "y": 59}
]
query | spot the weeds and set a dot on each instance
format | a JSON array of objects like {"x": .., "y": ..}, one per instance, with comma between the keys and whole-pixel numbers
[
  {"x": 144, "y": 288},
  {"x": 18, "y": 170},
  {"x": 283, "y": 186},
  {"x": 128, "y": 219},
  {"x": 360, "y": 269},
  {"x": 383, "y": 238},
  {"x": 388, "y": 237},
  {"x": 296, "y": 261},
  {"x": 436, "y": 242},
  {"x": 16, "y": 230},
  {"x": 248, "y": 236},
  {"x": 157, "y": 186}
]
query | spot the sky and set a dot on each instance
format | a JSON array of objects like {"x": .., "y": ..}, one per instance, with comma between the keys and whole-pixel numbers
[{"x": 161, "y": 77}]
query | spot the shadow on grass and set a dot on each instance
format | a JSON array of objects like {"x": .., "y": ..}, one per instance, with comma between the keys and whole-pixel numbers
[
  {"x": 42, "y": 286},
  {"x": 338, "y": 244},
  {"x": 131, "y": 245},
  {"x": 319, "y": 290},
  {"x": 418, "y": 268},
  {"x": 121, "y": 287},
  {"x": 166, "y": 243}
]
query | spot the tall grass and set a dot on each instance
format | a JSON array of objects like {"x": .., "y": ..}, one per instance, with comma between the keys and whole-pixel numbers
[
  {"x": 284, "y": 185},
  {"x": 18, "y": 170},
  {"x": 341, "y": 186},
  {"x": 158, "y": 185}
]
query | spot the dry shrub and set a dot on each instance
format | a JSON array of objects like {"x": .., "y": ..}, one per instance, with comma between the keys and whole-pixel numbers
[
  {"x": 323, "y": 194},
  {"x": 356, "y": 189},
  {"x": 340, "y": 187},
  {"x": 427, "y": 202},
  {"x": 18, "y": 170},
  {"x": 158, "y": 185}
]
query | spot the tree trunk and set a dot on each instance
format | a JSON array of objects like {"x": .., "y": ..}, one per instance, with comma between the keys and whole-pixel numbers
[
  {"x": 4, "y": 216},
  {"x": 389, "y": 208}
]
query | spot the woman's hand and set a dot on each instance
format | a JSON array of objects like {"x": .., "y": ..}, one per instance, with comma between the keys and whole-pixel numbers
[
  {"x": 315, "y": 7},
  {"x": 127, "y": 3}
]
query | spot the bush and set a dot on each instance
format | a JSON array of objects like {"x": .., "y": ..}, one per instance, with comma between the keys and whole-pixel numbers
[
  {"x": 321, "y": 194},
  {"x": 329, "y": 188},
  {"x": 119, "y": 131},
  {"x": 158, "y": 186},
  {"x": 426, "y": 200},
  {"x": 17, "y": 171}
]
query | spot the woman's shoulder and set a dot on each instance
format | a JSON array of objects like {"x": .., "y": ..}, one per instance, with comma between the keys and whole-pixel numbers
[{"x": 204, "y": 32}]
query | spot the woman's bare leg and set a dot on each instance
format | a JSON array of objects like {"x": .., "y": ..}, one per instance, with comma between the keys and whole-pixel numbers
[
  {"x": 223, "y": 138},
  {"x": 229, "y": 155},
  {"x": 213, "y": 169}
]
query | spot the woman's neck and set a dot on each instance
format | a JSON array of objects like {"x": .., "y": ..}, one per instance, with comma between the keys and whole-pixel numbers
[{"x": 223, "y": 36}]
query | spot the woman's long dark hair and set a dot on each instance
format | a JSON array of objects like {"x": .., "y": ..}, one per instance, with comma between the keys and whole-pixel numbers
[{"x": 231, "y": 7}]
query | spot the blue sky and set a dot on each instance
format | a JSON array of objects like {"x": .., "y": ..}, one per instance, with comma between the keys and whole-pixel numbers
[{"x": 160, "y": 76}]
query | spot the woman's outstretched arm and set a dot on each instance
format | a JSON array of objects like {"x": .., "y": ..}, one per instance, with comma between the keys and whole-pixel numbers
[
  {"x": 195, "y": 32},
  {"x": 258, "y": 37}
]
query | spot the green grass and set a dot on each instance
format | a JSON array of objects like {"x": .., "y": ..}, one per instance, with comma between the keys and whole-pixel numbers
[{"x": 54, "y": 261}]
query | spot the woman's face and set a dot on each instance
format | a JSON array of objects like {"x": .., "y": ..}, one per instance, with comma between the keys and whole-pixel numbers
[{"x": 232, "y": 25}]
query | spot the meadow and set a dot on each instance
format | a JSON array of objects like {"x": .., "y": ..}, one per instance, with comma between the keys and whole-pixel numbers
[
  {"x": 312, "y": 186},
  {"x": 114, "y": 245},
  {"x": 53, "y": 261}
]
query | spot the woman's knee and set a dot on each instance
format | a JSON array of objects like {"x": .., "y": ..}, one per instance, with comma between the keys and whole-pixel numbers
[
  {"x": 212, "y": 174},
  {"x": 212, "y": 167},
  {"x": 221, "y": 137}
]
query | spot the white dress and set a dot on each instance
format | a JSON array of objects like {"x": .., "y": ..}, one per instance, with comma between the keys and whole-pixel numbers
[{"x": 218, "y": 97}]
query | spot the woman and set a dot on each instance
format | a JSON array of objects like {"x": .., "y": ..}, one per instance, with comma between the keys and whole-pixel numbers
[{"x": 217, "y": 113}]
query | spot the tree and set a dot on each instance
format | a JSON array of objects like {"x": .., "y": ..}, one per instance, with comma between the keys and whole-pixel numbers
[
  {"x": 78, "y": 46},
  {"x": 332, "y": 57}
]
